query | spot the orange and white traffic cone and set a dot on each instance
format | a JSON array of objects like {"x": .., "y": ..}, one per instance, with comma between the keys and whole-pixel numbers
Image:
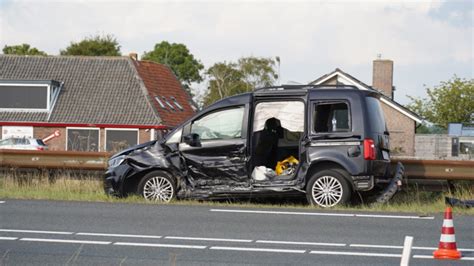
[{"x": 447, "y": 249}]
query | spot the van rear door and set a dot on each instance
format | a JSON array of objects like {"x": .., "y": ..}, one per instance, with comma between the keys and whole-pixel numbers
[{"x": 378, "y": 128}]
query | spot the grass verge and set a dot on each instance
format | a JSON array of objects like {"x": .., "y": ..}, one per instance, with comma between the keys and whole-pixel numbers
[{"x": 66, "y": 187}]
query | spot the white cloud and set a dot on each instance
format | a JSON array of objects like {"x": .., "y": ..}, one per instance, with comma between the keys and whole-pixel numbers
[{"x": 312, "y": 38}]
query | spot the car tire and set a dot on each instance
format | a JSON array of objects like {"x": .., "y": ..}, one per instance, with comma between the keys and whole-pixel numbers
[
  {"x": 157, "y": 186},
  {"x": 328, "y": 188}
]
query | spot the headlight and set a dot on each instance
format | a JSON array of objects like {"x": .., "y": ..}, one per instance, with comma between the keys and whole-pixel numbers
[{"x": 116, "y": 161}]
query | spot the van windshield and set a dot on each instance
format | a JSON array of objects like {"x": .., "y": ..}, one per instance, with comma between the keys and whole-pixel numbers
[{"x": 375, "y": 113}]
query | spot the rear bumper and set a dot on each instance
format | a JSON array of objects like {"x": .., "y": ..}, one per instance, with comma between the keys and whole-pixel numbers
[
  {"x": 363, "y": 183},
  {"x": 393, "y": 186}
]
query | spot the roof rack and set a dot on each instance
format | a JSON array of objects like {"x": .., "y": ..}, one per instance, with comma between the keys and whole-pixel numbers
[{"x": 301, "y": 87}]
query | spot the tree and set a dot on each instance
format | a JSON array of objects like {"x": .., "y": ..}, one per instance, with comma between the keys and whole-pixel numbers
[
  {"x": 257, "y": 71},
  {"x": 106, "y": 45},
  {"x": 425, "y": 128},
  {"x": 227, "y": 79},
  {"x": 451, "y": 101},
  {"x": 177, "y": 57},
  {"x": 22, "y": 49}
]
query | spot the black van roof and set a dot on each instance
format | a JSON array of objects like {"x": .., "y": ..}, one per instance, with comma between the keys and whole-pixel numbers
[{"x": 290, "y": 90}]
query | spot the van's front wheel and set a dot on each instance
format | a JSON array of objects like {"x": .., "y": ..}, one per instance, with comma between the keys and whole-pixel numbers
[
  {"x": 157, "y": 186},
  {"x": 328, "y": 188}
]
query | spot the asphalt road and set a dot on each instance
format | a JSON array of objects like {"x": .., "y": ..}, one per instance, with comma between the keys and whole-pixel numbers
[{"x": 79, "y": 233}]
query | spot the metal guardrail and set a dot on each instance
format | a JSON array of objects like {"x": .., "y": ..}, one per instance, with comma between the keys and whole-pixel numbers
[
  {"x": 437, "y": 169},
  {"x": 72, "y": 160},
  {"x": 415, "y": 169}
]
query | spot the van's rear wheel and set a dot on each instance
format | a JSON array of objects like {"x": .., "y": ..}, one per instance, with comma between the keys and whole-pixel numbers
[
  {"x": 328, "y": 188},
  {"x": 157, "y": 186}
]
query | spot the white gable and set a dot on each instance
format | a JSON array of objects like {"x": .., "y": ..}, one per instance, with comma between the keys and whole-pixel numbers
[
  {"x": 341, "y": 78},
  {"x": 344, "y": 79}
]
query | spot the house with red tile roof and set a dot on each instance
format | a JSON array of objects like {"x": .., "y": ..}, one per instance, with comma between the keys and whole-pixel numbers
[
  {"x": 169, "y": 99},
  {"x": 89, "y": 103}
]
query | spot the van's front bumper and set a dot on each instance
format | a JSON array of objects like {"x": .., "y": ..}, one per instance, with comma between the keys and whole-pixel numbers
[
  {"x": 110, "y": 183},
  {"x": 113, "y": 179}
]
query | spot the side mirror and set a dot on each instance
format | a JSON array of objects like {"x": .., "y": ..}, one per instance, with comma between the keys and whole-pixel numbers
[
  {"x": 172, "y": 147},
  {"x": 193, "y": 140}
]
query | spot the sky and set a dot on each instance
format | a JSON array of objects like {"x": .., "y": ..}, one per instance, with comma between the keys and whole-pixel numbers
[{"x": 429, "y": 41}]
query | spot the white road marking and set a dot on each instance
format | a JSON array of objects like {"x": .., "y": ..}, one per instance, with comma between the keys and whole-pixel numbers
[
  {"x": 326, "y": 214},
  {"x": 208, "y": 239},
  {"x": 374, "y": 246},
  {"x": 388, "y": 255},
  {"x": 2, "y": 201},
  {"x": 300, "y": 251},
  {"x": 66, "y": 241},
  {"x": 424, "y": 248},
  {"x": 406, "y": 252},
  {"x": 431, "y": 257},
  {"x": 8, "y": 238},
  {"x": 36, "y": 232},
  {"x": 401, "y": 247},
  {"x": 466, "y": 249},
  {"x": 157, "y": 245},
  {"x": 395, "y": 216},
  {"x": 117, "y": 235},
  {"x": 301, "y": 243}
]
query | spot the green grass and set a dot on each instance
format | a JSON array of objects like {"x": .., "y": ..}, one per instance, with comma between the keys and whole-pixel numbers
[{"x": 73, "y": 188}]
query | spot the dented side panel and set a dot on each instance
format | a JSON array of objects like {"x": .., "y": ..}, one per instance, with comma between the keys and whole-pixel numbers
[
  {"x": 146, "y": 158},
  {"x": 220, "y": 163}
]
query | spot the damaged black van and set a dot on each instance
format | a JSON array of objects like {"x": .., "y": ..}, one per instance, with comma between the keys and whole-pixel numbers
[{"x": 327, "y": 142}]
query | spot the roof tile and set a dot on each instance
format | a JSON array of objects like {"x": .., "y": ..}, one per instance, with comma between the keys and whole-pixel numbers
[
  {"x": 97, "y": 90},
  {"x": 161, "y": 82}
]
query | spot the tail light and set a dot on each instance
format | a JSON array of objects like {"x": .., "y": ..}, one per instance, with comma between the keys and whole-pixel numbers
[
  {"x": 40, "y": 148},
  {"x": 369, "y": 149}
]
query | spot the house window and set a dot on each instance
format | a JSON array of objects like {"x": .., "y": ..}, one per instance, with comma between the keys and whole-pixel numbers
[
  {"x": 466, "y": 147},
  {"x": 82, "y": 139},
  {"x": 120, "y": 139},
  {"x": 180, "y": 107},
  {"x": 35, "y": 96},
  {"x": 331, "y": 117},
  {"x": 18, "y": 132},
  {"x": 160, "y": 102},
  {"x": 169, "y": 104}
]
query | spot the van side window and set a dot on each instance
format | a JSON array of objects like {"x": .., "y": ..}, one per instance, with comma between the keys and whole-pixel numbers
[
  {"x": 331, "y": 117},
  {"x": 223, "y": 124}
]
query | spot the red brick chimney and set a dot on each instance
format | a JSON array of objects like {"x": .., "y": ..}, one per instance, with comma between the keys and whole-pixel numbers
[{"x": 382, "y": 76}]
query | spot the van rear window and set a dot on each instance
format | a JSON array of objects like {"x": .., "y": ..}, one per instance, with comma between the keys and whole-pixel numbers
[
  {"x": 331, "y": 117},
  {"x": 375, "y": 114}
]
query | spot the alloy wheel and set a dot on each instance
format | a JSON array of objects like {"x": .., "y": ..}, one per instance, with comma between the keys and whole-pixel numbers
[
  {"x": 327, "y": 191},
  {"x": 158, "y": 188}
]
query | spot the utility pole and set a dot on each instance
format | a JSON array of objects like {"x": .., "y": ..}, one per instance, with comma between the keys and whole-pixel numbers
[{"x": 278, "y": 61}]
